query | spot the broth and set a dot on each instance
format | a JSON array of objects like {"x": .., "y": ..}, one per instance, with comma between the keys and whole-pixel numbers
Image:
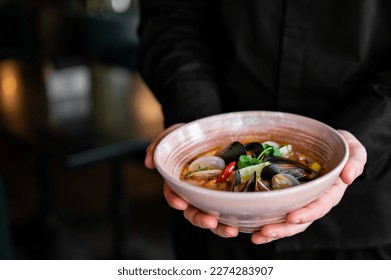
[{"x": 251, "y": 166}]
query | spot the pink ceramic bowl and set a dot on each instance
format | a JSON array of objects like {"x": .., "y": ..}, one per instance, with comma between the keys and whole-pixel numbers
[{"x": 249, "y": 211}]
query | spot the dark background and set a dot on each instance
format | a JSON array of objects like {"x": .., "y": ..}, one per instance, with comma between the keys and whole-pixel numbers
[{"x": 61, "y": 34}]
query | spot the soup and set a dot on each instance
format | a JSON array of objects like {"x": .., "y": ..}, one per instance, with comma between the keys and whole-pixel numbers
[{"x": 251, "y": 166}]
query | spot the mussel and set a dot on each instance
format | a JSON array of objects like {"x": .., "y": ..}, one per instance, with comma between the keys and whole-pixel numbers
[
  {"x": 287, "y": 166},
  {"x": 232, "y": 152},
  {"x": 236, "y": 181},
  {"x": 251, "y": 183},
  {"x": 254, "y": 148},
  {"x": 247, "y": 186},
  {"x": 237, "y": 185}
]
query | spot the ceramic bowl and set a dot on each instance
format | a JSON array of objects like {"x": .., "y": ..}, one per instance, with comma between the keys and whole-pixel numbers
[{"x": 250, "y": 211}]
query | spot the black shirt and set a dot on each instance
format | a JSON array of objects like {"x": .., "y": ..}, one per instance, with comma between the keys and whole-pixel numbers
[{"x": 327, "y": 59}]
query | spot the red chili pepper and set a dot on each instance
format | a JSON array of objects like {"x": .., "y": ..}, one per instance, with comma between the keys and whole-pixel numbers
[{"x": 226, "y": 172}]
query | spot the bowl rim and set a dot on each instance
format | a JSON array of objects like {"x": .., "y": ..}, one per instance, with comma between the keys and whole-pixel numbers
[{"x": 225, "y": 194}]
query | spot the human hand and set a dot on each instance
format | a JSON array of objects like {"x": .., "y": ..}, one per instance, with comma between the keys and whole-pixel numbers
[
  {"x": 148, "y": 162},
  {"x": 192, "y": 214},
  {"x": 296, "y": 221},
  {"x": 299, "y": 220},
  {"x": 172, "y": 199}
]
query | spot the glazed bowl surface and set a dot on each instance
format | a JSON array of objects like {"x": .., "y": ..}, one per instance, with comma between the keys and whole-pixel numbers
[{"x": 250, "y": 211}]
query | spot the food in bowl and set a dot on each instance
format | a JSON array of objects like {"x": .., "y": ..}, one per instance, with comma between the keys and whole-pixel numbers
[
  {"x": 251, "y": 167},
  {"x": 250, "y": 210}
]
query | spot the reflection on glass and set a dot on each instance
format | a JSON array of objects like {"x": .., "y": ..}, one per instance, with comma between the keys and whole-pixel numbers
[
  {"x": 120, "y": 6},
  {"x": 8, "y": 82},
  {"x": 68, "y": 93},
  {"x": 9, "y": 87},
  {"x": 109, "y": 6}
]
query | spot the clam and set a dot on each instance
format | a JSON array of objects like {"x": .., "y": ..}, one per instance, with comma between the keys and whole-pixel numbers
[
  {"x": 205, "y": 174},
  {"x": 202, "y": 177},
  {"x": 207, "y": 162},
  {"x": 286, "y": 150}
]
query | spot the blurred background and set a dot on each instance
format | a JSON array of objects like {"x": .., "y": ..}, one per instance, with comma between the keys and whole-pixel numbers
[{"x": 75, "y": 119}]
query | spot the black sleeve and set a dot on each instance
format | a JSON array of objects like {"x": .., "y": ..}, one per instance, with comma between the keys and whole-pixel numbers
[
  {"x": 175, "y": 57},
  {"x": 368, "y": 117}
]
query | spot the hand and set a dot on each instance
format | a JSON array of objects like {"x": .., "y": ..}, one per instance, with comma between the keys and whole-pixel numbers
[
  {"x": 297, "y": 221},
  {"x": 192, "y": 214},
  {"x": 148, "y": 162}
]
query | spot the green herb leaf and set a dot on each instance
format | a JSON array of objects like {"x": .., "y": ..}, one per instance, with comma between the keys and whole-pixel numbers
[
  {"x": 269, "y": 150},
  {"x": 276, "y": 152},
  {"x": 246, "y": 160}
]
